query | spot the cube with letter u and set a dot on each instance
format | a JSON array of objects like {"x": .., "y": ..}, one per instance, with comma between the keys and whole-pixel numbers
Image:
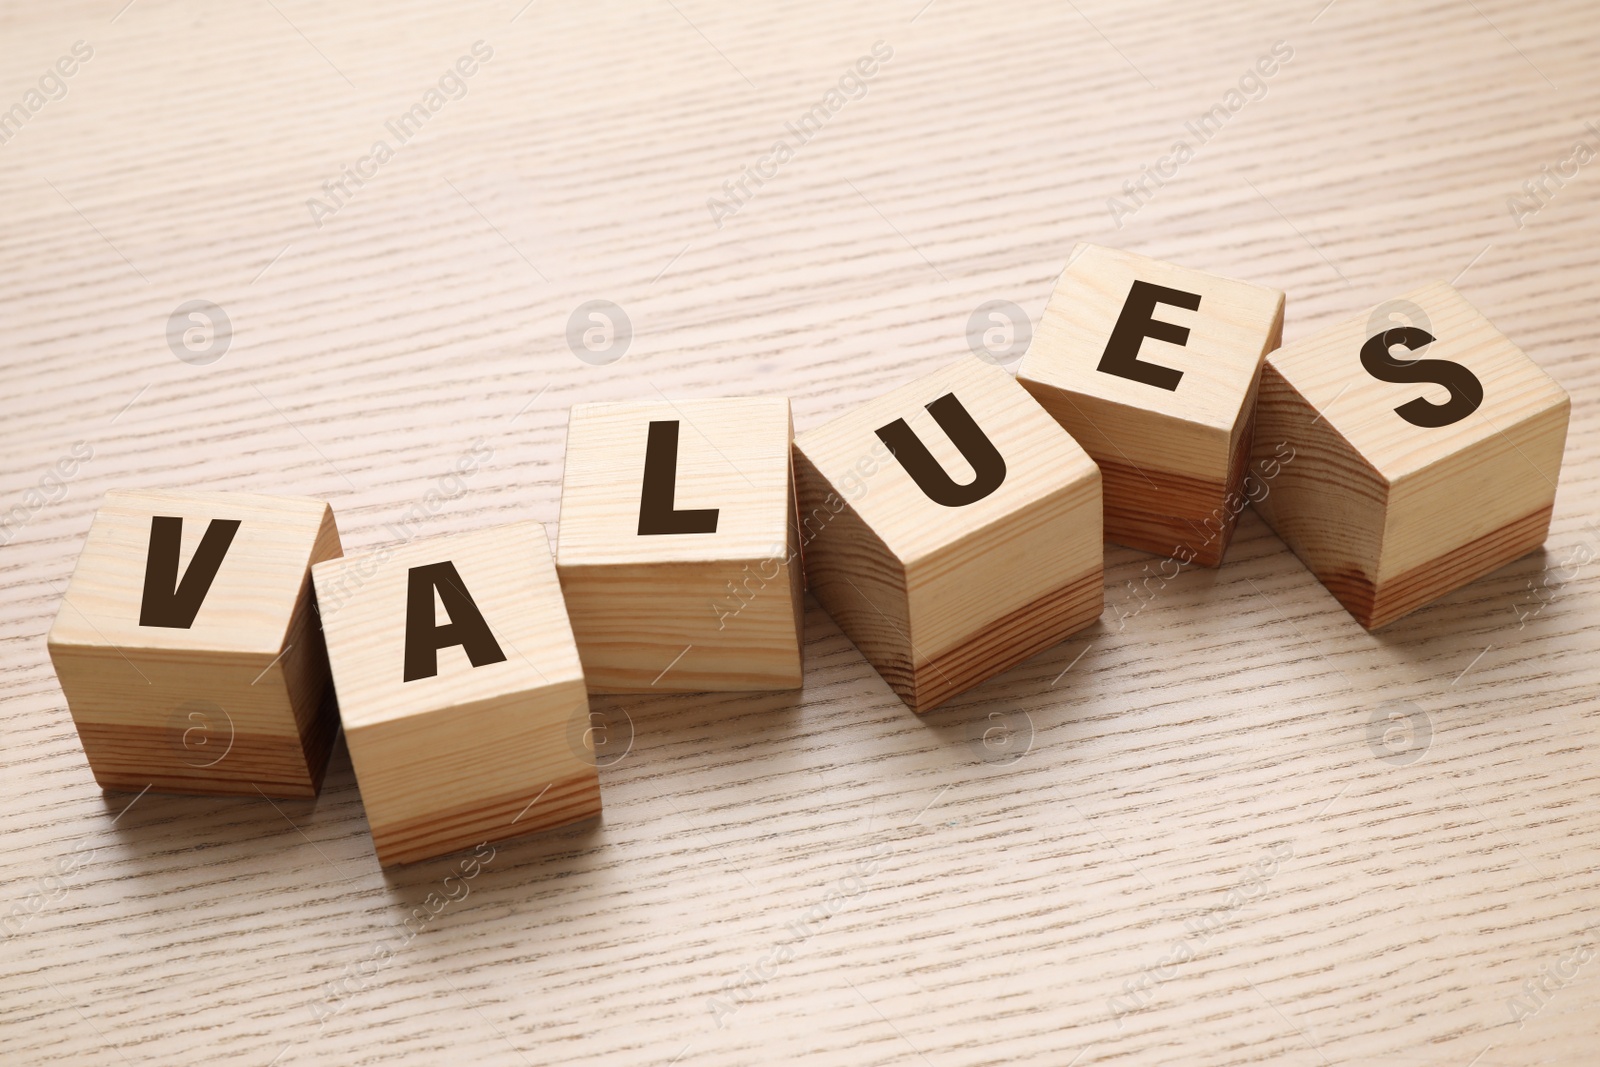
[{"x": 952, "y": 528}]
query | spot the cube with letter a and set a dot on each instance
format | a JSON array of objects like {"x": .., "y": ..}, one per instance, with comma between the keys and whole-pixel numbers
[
  {"x": 677, "y": 550},
  {"x": 460, "y": 689},
  {"x": 1403, "y": 455},
  {"x": 951, "y": 528},
  {"x": 188, "y": 648},
  {"x": 1153, "y": 368}
]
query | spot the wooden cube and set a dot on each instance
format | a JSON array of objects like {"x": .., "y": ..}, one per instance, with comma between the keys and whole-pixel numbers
[
  {"x": 1402, "y": 462},
  {"x": 1154, "y": 369},
  {"x": 951, "y": 528},
  {"x": 678, "y": 551},
  {"x": 188, "y": 648},
  {"x": 460, "y": 689}
]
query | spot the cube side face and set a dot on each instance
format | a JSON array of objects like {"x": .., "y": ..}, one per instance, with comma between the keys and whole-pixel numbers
[
  {"x": 1210, "y": 541},
  {"x": 725, "y": 626},
  {"x": 435, "y": 782},
  {"x": 303, "y": 664},
  {"x": 1173, "y": 454},
  {"x": 1044, "y": 565},
  {"x": 450, "y": 750},
  {"x": 915, "y": 581},
  {"x": 794, "y": 567},
  {"x": 1318, "y": 493},
  {"x": 858, "y": 581},
  {"x": 195, "y": 722},
  {"x": 1498, "y": 482},
  {"x": 1469, "y": 514},
  {"x": 206, "y": 708},
  {"x": 1148, "y": 507}
]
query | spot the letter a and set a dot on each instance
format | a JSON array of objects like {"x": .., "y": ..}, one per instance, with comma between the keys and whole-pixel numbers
[{"x": 424, "y": 638}]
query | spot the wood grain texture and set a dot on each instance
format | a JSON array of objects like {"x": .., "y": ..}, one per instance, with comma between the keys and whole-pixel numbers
[
  {"x": 1185, "y": 519},
  {"x": 1201, "y": 759}
]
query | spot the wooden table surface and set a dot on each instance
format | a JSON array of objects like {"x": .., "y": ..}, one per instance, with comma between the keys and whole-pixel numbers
[{"x": 1176, "y": 838}]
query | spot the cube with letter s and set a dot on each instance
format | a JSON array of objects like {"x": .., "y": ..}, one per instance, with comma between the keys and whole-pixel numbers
[{"x": 1407, "y": 451}]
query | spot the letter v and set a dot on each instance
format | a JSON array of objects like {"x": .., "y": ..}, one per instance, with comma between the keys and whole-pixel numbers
[{"x": 167, "y": 600}]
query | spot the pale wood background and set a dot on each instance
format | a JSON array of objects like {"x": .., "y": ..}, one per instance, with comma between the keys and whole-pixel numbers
[{"x": 1396, "y": 909}]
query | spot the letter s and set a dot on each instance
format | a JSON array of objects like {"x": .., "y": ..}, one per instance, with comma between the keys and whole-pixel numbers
[{"x": 1466, "y": 391}]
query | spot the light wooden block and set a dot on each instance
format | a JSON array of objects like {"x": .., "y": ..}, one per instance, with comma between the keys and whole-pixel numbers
[
  {"x": 482, "y": 737},
  {"x": 682, "y": 574},
  {"x": 942, "y": 595},
  {"x": 1390, "y": 514},
  {"x": 214, "y": 678},
  {"x": 1154, "y": 368}
]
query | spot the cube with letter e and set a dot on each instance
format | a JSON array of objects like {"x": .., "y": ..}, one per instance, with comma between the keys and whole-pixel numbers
[
  {"x": 460, "y": 689},
  {"x": 1153, "y": 368},
  {"x": 1408, "y": 451},
  {"x": 677, "y": 550},
  {"x": 951, "y": 528}
]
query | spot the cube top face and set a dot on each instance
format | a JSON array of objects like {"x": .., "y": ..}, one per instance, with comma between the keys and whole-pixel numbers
[
  {"x": 724, "y": 466},
  {"x": 1407, "y": 421},
  {"x": 1106, "y": 294},
  {"x": 507, "y": 573},
  {"x": 250, "y": 600},
  {"x": 1042, "y": 458}
]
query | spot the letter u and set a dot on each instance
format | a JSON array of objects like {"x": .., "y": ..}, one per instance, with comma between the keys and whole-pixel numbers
[{"x": 988, "y": 465}]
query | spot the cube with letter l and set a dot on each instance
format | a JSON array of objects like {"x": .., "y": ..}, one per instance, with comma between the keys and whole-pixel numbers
[{"x": 677, "y": 550}]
